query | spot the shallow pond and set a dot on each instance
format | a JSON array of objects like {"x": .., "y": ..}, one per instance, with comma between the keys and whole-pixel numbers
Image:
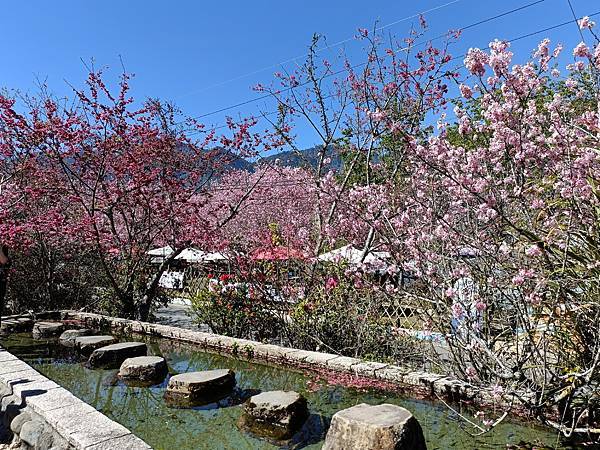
[{"x": 214, "y": 426}]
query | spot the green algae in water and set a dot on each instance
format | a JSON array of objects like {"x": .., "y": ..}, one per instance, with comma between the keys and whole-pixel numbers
[{"x": 214, "y": 426}]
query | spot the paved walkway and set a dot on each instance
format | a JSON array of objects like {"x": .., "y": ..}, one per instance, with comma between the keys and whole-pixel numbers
[{"x": 178, "y": 314}]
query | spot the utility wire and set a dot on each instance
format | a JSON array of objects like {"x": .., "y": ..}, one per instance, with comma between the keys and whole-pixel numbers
[
  {"x": 327, "y": 47},
  {"x": 472, "y": 25},
  {"x": 518, "y": 38},
  {"x": 576, "y": 21},
  {"x": 293, "y": 182}
]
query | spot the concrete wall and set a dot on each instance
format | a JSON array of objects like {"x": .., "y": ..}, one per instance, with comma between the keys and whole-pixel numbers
[
  {"x": 428, "y": 384},
  {"x": 42, "y": 415}
]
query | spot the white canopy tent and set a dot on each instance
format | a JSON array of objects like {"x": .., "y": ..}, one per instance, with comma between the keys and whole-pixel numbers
[
  {"x": 352, "y": 256},
  {"x": 189, "y": 255}
]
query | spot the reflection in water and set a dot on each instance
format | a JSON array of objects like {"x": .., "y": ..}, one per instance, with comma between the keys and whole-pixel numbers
[{"x": 215, "y": 426}]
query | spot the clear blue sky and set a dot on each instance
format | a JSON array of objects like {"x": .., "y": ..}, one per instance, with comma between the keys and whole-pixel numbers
[{"x": 179, "y": 50}]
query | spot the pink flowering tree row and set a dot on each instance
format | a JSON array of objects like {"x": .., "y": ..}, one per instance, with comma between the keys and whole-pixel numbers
[
  {"x": 104, "y": 177},
  {"x": 495, "y": 212}
]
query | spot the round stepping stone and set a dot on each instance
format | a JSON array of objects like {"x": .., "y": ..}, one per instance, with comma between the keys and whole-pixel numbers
[
  {"x": 25, "y": 323},
  {"x": 47, "y": 329},
  {"x": 112, "y": 356},
  {"x": 9, "y": 326},
  {"x": 275, "y": 414},
  {"x": 368, "y": 427},
  {"x": 143, "y": 368},
  {"x": 88, "y": 344},
  {"x": 199, "y": 388},
  {"x": 68, "y": 337}
]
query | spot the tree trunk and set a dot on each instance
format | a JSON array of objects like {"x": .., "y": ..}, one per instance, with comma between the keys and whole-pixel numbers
[
  {"x": 145, "y": 304},
  {"x": 4, "y": 263},
  {"x": 3, "y": 284}
]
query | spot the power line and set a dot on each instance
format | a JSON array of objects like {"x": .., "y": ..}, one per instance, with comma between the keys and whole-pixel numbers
[
  {"x": 518, "y": 38},
  {"x": 268, "y": 95},
  {"x": 327, "y": 47},
  {"x": 293, "y": 182},
  {"x": 575, "y": 18}
]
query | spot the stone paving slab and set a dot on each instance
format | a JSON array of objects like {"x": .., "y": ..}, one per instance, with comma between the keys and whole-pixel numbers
[
  {"x": 20, "y": 375},
  {"x": 80, "y": 424},
  {"x": 33, "y": 388},
  {"x": 6, "y": 356},
  {"x": 129, "y": 442},
  {"x": 342, "y": 363},
  {"x": 368, "y": 369},
  {"x": 52, "y": 399},
  {"x": 97, "y": 430},
  {"x": 71, "y": 418}
]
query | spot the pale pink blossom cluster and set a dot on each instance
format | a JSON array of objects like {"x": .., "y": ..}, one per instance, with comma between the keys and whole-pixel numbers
[{"x": 586, "y": 22}]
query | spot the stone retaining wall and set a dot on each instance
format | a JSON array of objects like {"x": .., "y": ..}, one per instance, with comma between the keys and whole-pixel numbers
[
  {"x": 429, "y": 384},
  {"x": 43, "y": 415}
]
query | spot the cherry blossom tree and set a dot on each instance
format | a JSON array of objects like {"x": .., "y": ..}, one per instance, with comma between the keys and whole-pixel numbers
[{"x": 114, "y": 178}]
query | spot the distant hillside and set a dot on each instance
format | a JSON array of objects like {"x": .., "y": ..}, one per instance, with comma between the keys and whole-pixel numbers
[
  {"x": 304, "y": 158},
  {"x": 307, "y": 158}
]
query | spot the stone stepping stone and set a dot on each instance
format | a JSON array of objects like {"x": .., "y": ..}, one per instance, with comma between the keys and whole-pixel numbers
[
  {"x": 87, "y": 344},
  {"x": 144, "y": 369},
  {"x": 379, "y": 427},
  {"x": 275, "y": 414},
  {"x": 112, "y": 356},
  {"x": 47, "y": 329},
  {"x": 25, "y": 324},
  {"x": 68, "y": 337},
  {"x": 199, "y": 388},
  {"x": 9, "y": 326}
]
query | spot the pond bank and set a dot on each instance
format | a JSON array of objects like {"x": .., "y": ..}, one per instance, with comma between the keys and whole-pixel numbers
[
  {"x": 42, "y": 414},
  {"x": 426, "y": 384},
  {"x": 144, "y": 411}
]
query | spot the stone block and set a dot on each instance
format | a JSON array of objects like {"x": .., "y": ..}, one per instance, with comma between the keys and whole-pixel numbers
[
  {"x": 286, "y": 409},
  {"x": 127, "y": 442},
  {"x": 144, "y": 368},
  {"x": 112, "y": 356},
  {"x": 197, "y": 388},
  {"x": 87, "y": 344},
  {"x": 67, "y": 338},
  {"x": 98, "y": 428},
  {"x": 368, "y": 369},
  {"x": 380, "y": 427},
  {"x": 342, "y": 363},
  {"x": 31, "y": 432},
  {"x": 17, "y": 422},
  {"x": 42, "y": 330}
]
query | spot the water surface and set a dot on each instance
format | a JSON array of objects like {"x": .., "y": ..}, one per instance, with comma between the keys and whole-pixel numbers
[{"x": 214, "y": 426}]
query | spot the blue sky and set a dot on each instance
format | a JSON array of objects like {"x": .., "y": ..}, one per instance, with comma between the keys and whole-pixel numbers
[{"x": 186, "y": 51}]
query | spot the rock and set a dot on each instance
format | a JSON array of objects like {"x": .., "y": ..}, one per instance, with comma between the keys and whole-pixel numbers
[
  {"x": 15, "y": 325},
  {"x": 47, "y": 329},
  {"x": 18, "y": 422},
  {"x": 198, "y": 388},
  {"x": 25, "y": 323},
  {"x": 380, "y": 427},
  {"x": 282, "y": 408},
  {"x": 31, "y": 432},
  {"x": 9, "y": 326},
  {"x": 112, "y": 356},
  {"x": 88, "y": 344},
  {"x": 46, "y": 440},
  {"x": 275, "y": 414},
  {"x": 68, "y": 337},
  {"x": 143, "y": 368}
]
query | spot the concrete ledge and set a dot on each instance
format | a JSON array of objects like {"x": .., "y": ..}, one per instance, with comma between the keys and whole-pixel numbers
[
  {"x": 52, "y": 414},
  {"x": 427, "y": 384}
]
